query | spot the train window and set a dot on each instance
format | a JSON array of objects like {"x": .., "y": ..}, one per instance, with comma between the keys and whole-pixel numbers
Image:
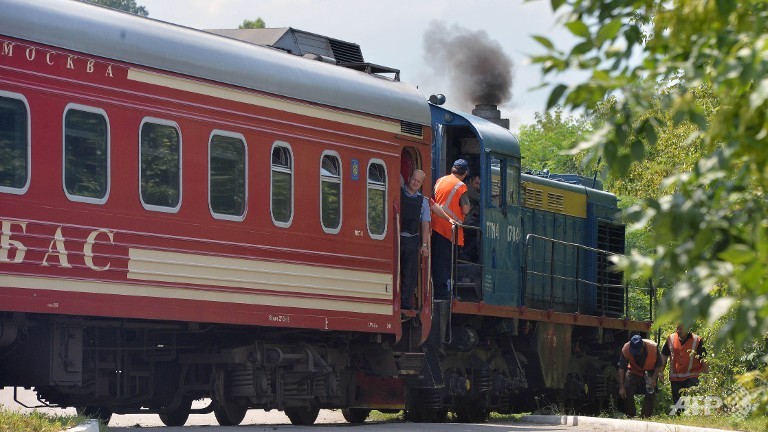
[
  {"x": 160, "y": 165},
  {"x": 282, "y": 184},
  {"x": 14, "y": 143},
  {"x": 227, "y": 170},
  {"x": 86, "y": 154},
  {"x": 330, "y": 192},
  {"x": 513, "y": 183},
  {"x": 377, "y": 196},
  {"x": 497, "y": 186}
]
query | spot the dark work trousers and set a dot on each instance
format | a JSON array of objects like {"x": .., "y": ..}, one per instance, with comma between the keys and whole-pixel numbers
[
  {"x": 470, "y": 250},
  {"x": 679, "y": 385},
  {"x": 441, "y": 266},
  {"x": 633, "y": 385},
  {"x": 409, "y": 269}
]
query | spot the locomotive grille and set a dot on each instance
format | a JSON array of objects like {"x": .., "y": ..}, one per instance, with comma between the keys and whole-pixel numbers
[
  {"x": 610, "y": 291},
  {"x": 534, "y": 198},
  {"x": 555, "y": 202},
  {"x": 345, "y": 52},
  {"x": 411, "y": 128}
]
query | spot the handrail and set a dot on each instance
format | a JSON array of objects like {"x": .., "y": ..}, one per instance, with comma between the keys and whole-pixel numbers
[{"x": 579, "y": 279}]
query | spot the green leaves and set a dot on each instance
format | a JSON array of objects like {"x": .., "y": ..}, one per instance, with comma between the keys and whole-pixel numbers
[
  {"x": 738, "y": 254},
  {"x": 608, "y": 31},
  {"x": 557, "y": 93},
  {"x": 556, "y": 4},
  {"x": 544, "y": 41},
  {"x": 578, "y": 28},
  {"x": 681, "y": 88}
]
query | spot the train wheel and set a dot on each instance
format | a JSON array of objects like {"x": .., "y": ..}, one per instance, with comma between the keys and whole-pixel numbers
[
  {"x": 302, "y": 416},
  {"x": 471, "y": 412},
  {"x": 229, "y": 413},
  {"x": 355, "y": 415},
  {"x": 426, "y": 406},
  {"x": 177, "y": 416},
  {"x": 101, "y": 414},
  {"x": 427, "y": 415}
]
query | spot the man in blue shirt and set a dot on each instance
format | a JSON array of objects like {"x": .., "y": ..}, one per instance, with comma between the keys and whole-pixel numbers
[
  {"x": 415, "y": 231},
  {"x": 414, "y": 235}
]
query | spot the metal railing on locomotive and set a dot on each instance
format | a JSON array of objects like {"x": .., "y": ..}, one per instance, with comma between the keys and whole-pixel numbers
[
  {"x": 477, "y": 267},
  {"x": 454, "y": 261},
  {"x": 455, "y": 258},
  {"x": 604, "y": 303}
]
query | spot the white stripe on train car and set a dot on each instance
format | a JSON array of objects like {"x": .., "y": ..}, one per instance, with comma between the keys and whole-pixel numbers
[
  {"x": 175, "y": 267},
  {"x": 261, "y": 100},
  {"x": 190, "y": 293}
]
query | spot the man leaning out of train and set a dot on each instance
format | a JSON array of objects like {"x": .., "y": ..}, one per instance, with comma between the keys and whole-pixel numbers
[
  {"x": 415, "y": 217},
  {"x": 642, "y": 359}
]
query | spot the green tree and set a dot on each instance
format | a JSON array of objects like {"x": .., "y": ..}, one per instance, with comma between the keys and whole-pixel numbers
[
  {"x": 710, "y": 224},
  {"x": 248, "y": 24},
  {"x": 123, "y": 5},
  {"x": 546, "y": 142}
]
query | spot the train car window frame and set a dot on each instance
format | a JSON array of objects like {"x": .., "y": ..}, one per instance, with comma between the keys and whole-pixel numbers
[
  {"x": 376, "y": 186},
  {"x": 499, "y": 200},
  {"x": 513, "y": 183},
  {"x": 179, "y": 153},
  {"x": 108, "y": 156},
  {"x": 28, "y": 156},
  {"x": 240, "y": 137},
  {"x": 331, "y": 178},
  {"x": 289, "y": 169}
]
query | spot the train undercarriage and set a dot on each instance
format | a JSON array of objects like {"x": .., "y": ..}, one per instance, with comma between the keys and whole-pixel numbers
[
  {"x": 487, "y": 364},
  {"x": 471, "y": 367},
  {"x": 105, "y": 366}
]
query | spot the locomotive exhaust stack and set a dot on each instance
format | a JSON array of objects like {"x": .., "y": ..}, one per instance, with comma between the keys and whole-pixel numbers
[{"x": 491, "y": 113}]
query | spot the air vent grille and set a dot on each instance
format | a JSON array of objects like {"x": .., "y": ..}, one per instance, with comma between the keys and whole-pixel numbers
[
  {"x": 534, "y": 198},
  {"x": 346, "y": 52},
  {"x": 555, "y": 202},
  {"x": 411, "y": 128}
]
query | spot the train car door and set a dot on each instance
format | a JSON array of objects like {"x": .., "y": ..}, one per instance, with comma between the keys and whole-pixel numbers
[{"x": 501, "y": 230}]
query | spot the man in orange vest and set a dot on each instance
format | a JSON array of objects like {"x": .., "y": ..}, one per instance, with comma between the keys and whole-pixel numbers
[
  {"x": 450, "y": 195},
  {"x": 686, "y": 350},
  {"x": 642, "y": 359}
]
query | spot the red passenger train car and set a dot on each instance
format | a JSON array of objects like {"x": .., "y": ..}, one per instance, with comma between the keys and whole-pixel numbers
[{"x": 164, "y": 190}]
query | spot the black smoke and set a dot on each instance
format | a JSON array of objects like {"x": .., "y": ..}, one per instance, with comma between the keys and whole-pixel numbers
[{"x": 479, "y": 70}]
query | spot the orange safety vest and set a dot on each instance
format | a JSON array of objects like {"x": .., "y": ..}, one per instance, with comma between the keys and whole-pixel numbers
[
  {"x": 448, "y": 190},
  {"x": 684, "y": 363},
  {"x": 650, "y": 359}
]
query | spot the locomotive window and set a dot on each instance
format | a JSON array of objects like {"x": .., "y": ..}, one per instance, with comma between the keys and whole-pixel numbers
[
  {"x": 86, "y": 154},
  {"x": 330, "y": 192},
  {"x": 377, "y": 195},
  {"x": 226, "y": 176},
  {"x": 14, "y": 143},
  {"x": 160, "y": 165},
  {"x": 282, "y": 184},
  {"x": 497, "y": 185},
  {"x": 513, "y": 183}
]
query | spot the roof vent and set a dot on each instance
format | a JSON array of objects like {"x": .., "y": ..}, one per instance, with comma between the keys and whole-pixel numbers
[{"x": 310, "y": 45}]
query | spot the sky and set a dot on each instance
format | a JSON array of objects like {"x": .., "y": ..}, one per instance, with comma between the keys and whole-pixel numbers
[{"x": 391, "y": 33}]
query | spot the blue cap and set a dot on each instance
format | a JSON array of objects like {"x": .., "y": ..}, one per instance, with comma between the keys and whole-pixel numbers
[
  {"x": 636, "y": 344},
  {"x": 461, "y": 166}
]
